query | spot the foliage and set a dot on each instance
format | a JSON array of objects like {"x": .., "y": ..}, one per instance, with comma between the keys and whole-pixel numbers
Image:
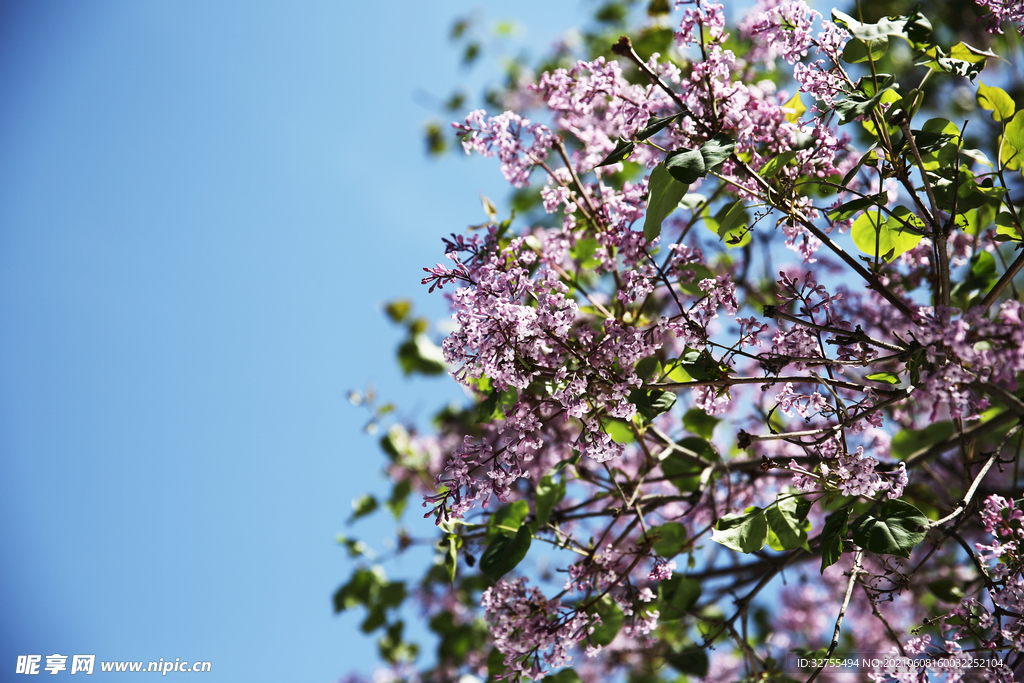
[{"x": 747, "y": 376}]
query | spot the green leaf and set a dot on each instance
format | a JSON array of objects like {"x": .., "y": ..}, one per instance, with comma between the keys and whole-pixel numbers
[
  {"x": 931, "y": 142},
  {"x": 995, "y": 100},
  {"x": 860, "y": 103},
  {"x": 648, "y": 368},
  {"x": 797, "y": 106},
  {"x": 584, "y": 250},
  {"x": 564, "y": 676},
  {"x": 918, "y": 30},
  {"x": 970, "y": 54},
  {"x": 663, "y": 197},
  {"x": 421, "y": 355},
  {"x": 399, "y": 497},
  {"x": 914, "y": 28},
  {"x": 850, "y": 209},
  {"x": 493, "y": 407},
  {"x": 858, "y": 50},
  {"x": 375, "y": 618},
  {"x": 671, "y": 539},
  {"x": 701, "y": 365},
  {"x": 549, "y": 494},
  {"x": 785, "y": 522},
  {"x": 885, "y": 237},
  {"x": 621, "y": 152},
  {"x": 910, "y": 441},
  {"x": 691, "y": 200},
  {"x": 362, "y": 506},
  {"x": 650, "y": 403},
  {"x": 655, "y": 125},
  {"x": 1007, "y": 227},
  {"x": 504, "y": 553},
  {"x": 745, "y": 533},
  {"x": 356, "y": 547},
  {"x": 870, "y": 153},
  {"x": 690, "y": 662},
  {"x": 682, "y": 473},
  {"x": 676, "y": 596},
  {"x": 963, "y": 60},
  {"x": 977, "y": 220},
  {"x": 619, "y": 431},
  {"x": 945, "y": 154},
  {"x": 392, "y": 594},
  {"x": 775, "y": 164},
  {"x": 832, "y": 536},
  {"x": 716, "y": 150},
  {"x": 887, "y": 26},
  {"x": 611, "y": 621},
  {"x": 451, "y": 558},
  {"x": 688, "y": 165},
  {"x": 1011, "y": 150},
  {"x": 980, "y": 278},
  {"x": 700, "y": 423},
  {"x": 947, "y": 590},
  {"x": 398, "y": 309},
  {"x": 730, "y": 224},
  {"x": 507, "y": 520},
  {"x": 886, "y": 377},
  {"x": 895, "y": 530},
  {"x": 697, "y": 447},
  {"x": 888, "y": 97},
  {"x": 495, "y": 663}
]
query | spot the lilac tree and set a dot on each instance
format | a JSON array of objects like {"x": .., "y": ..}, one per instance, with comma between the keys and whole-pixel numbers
[{"x": 745, "y": 397}]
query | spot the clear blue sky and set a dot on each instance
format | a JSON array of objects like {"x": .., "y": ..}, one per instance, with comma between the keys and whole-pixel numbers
[{"x": 203, "y": 206}]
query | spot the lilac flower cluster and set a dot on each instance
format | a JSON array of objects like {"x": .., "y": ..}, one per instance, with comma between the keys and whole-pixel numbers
[
  {"x": 853, "y": 474},
  {"x": 966, "y": 352},
  {"x": 503, "y": 135},
  {"x": 527, "y": 627},
  {"x": 570, "y": 331},
  {"x": 1003, "y": 10}
]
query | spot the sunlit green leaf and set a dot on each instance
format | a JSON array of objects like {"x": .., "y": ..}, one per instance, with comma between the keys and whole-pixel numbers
[
  {"x": 745, "y": 532},
  {"x": 885, "y": 237},
  {"x": 996, "y": 100},
  {"x": 786, "y": 524},
  {"x": 775, "y": 164}
]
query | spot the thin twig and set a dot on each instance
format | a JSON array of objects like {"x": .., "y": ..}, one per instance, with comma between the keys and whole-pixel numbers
[
  {"x": 977, "y": 480},
  {"x": 842, "y": 613}
]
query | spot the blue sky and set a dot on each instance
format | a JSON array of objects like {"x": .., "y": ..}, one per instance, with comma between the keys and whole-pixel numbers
[{"x": 203, "y": 207}]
